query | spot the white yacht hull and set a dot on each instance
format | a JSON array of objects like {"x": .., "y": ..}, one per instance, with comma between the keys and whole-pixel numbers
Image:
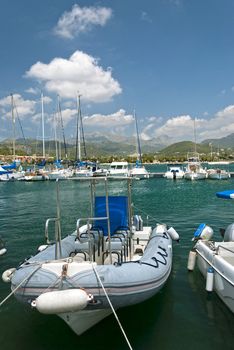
[
  {"x": 82, "y": 320},
  {"x": 218, "y": 176},
  {"x": 195, "y": 176},
  {"x": 169, "y": 175},
  {"x": 223, "y": 271}
]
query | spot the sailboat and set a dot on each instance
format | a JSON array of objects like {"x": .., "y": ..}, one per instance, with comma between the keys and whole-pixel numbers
[
  {"x": 139, "y": 170},
  {"x": 194, "y": 169},
  {"x": 59, "y": 172},
  {"x": 12, "y": 173},
  {"x": 83, "y": 168},
  {"x": 39, "y": 173}
]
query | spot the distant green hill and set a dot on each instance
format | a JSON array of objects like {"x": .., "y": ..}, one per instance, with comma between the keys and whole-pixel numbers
[
  {"x": 224, "y": 142},
  {"x": 182, "y": 148}
]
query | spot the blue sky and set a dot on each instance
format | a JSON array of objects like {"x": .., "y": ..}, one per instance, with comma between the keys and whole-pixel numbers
[{"x": 170, "y": 60}]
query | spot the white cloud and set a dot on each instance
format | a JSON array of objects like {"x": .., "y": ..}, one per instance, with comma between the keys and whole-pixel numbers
[
  {"x": 145, "y": 134},
  {"x": 80, "y": 72},
  {"x": 222, "y": 124},
  {"x": 80, "y": 20},
  {"x": 68, "y": 115},
  {"x": 47, "y": 99},
  {"x": 118, "y": 119},
  {"x": 181, "y": 128},
  {"x": 23, "y": 107},
  {"x": 145, "y": 17},
  {"x": 32, "y": 91}
]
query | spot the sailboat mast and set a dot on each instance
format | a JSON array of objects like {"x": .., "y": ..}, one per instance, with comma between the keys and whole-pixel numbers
[
  {"x": 43, "y": 126},
  {"x": 55, "y": 136},
  {"x": 13, "y": 125},
  {"x": 78, "y": 150},
  {"x": 82, "y": 132},
  {"x": 138, "y": 146},
  {"x": 62, "y": 127}
]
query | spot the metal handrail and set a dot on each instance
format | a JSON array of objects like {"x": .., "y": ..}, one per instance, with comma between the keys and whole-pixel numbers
[
  {"x": 225, "y": 248},
  {"x": 47, "y": 229},
  {"x": 88, "y": 220}
]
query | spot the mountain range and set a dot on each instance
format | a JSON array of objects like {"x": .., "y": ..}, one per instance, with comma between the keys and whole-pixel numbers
[{"x": 111, "y": 145}]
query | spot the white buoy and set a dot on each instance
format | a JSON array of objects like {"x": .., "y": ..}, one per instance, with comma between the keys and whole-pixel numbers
[
  {"x": 173, "y": 234},
  {"x": 3, "y": 251},
  {"x": 191, "y": 260},
  {"x": 210, "y": 279},
  {"x": 7, "y": 275},
  {"x": 42, "y": 247},
  {"x": 61, "y": 301}
]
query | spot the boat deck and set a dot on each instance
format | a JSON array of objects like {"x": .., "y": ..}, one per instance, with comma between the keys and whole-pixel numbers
[
  {"x": 226, "y": 251},
  {"x": 229, "y": 259}
]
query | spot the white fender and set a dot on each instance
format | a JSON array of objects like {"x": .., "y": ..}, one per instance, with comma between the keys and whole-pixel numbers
[
  {"x": 173, "y": 234},
  {"x": 210, "y": 279},
  {"x": 42, "y": 247},
  {"x": 191, "y": 260},
  {"x": 61, "y": 301},
  {"x": 3, "y": 251},
  {"x": 7, "y": 275}
]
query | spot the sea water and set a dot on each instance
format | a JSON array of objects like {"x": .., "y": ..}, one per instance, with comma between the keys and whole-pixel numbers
[{"x": 181, "y": 316}]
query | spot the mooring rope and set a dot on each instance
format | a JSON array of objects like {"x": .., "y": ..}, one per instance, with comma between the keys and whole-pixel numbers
[
  {"x": 19, "y": 285},
  {"x": 112, "y": 308}
]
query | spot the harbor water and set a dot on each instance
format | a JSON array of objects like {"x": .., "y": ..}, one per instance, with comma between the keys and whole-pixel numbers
[{"x": 182, "y": 316}]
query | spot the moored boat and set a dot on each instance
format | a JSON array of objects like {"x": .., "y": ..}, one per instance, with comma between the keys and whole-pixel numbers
[
  {"x": 194, "y": 169},
  {"x": 118, "y": 169},
  {"x": 215, "y": 259},
  {"x": 174, "y": 172},
  {"x": 110, "y": 260},
  {"x": 218, "y": 174},
  {"x": 139, "y": 171}
]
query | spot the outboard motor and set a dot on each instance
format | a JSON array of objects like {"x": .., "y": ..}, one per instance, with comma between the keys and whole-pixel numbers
[
  {"x": 204, "y": 232},
  {"x": 229, "y": 234}
]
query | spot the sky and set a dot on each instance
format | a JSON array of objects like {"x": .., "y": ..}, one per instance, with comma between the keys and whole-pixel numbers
[{"x": 170, "y": 61}]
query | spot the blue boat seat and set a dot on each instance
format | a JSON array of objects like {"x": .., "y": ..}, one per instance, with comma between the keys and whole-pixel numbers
[{"x": 118, "y": 212}]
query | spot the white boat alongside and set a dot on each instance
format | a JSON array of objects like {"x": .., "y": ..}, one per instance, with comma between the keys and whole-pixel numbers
[
  {"x": 60, "y": 174},
  {"x": 118, "y": 169},
  {"x": 194, "y": 169},
  {"x": 12, "y": 175},
  {"x": 85, "y": 172},
  {"x": 100, "y": 172},
  {"x": 174, "y": 172},
  {"x": 110, "y": 261},
  {"x": 36, "y": 175},
  {"x": 139, "y": 172},
  {"x": 218, "y": 174},
  {"x": 215, "y": 259}
]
